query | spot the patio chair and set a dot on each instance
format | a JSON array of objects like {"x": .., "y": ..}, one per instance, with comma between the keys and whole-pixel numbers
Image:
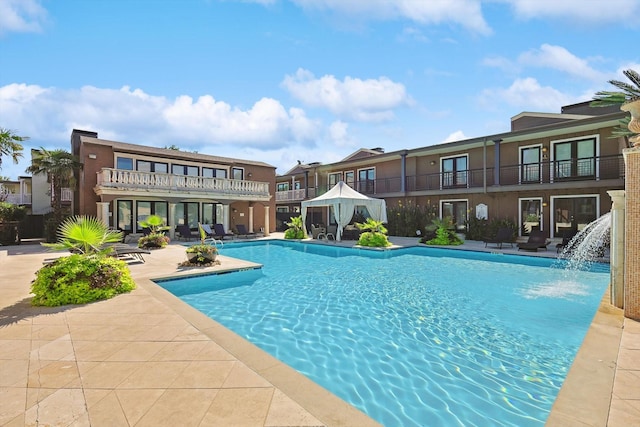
[
  {"x": 316, "y": 230},
  {"x": 329, "y": 233},
  {"x": 220, "y": 233},
  {"x": 242, "y": 231},
  {"x": 504, "y": 235},
  {"x": 186, "y": 233},
  {"x": 536, "y": 240}
]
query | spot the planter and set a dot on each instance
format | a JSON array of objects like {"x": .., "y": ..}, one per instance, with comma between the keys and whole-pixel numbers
[
  {"x": 201, "y": 257},
  {"x": 634, "y": 125}
]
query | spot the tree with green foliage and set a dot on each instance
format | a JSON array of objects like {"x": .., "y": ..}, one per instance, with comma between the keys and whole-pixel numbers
[
  {"x": 10, "y": 145},
  {"x": 627, "y": 92},
  {"x": 60, "y": 167}
]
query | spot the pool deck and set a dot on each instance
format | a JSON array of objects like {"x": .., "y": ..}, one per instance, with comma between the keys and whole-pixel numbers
[{"x": 146, "y": 358}]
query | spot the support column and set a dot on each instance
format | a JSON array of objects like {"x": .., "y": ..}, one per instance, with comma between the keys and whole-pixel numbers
[
  {"x": 266, "y": 220},
  {"x": 632, "y": 233},
  {"x": 250, "y": 219},
  {"x": 172, "y": 220},
  {"x": 103, "y": 212},
  {"x": 496, "y": 161},
  {"x": 616, "y": 287}
]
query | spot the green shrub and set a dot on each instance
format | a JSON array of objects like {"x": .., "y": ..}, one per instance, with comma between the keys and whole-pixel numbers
[
  {"x": 373, "y": 239},
  {"x": 296, "y": 229},
  {"x": 11, "y": 212},
  {"x": 445, "y": 237},
  {"x": 410, "y": 220},
  {"x": 80, "y": 279},
  {"x": 373, "y": 233},
  {"x": 477, "y": 229}
]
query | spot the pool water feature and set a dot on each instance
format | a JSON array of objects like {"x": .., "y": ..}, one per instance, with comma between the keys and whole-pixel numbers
[{"x": 412, "y": 337}]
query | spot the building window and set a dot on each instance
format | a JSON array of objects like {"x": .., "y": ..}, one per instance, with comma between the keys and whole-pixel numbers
[
  {"x": 572, "y": 214},
  {"x": 282, "y": 186},
  {"x": 184, "y": 170},
  {"x": 530, "y": 164},
  {"x": 125, "y": 163},
  {"x": 282, "y": 208},
  {"x": 214, "y": 173},
  {"x": 454, "y": 171},
  {"x": 457, "y": 211},
  {"x": 367, "y": 181},
  {"x": 574, "y": 159},
  {"x": 237, "y": 173},
  {"x": 124, "y": 219},
  {"x": 156, "y": 167},
  {"x": 187, "y": 213},
  {"x": 144, "y": 209},
  {"x": 350, "y": 178},
  {"x": 211, "y": 212},
  {"x": 334, "y": 178}
]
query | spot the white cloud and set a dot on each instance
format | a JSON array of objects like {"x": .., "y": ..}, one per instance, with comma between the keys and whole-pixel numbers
[
  {"x": 559, "y": 58},
  {"x": 116, "y": 113},
  {"x": 21, "y": 16},
  {"x": 455, "y": 136},
  {"x": 339, "y": 134},
  {"x": 371, "y": 100},
  {"x": 527, "y": 94},
  {"x": 466, "y": 13},
  {"x": 618, "y": 12}
]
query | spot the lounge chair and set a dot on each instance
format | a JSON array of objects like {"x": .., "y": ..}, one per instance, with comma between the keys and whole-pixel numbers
[
  {"x": 207, "y": 230},
  {"x": 120, "y": 250},
  {"x": 242, "y": 231},
  {"x": 329, "y": 234},
  {"x": 220, "y": 233},
  {"x": 185, "y": 232},
  {"x": 504, "y": 235},
  {"x": 536, "y": 240}
]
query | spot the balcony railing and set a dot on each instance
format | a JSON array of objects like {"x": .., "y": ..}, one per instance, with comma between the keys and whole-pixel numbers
[
  {"x": 294, "y": 195},
  {"x": 66, "y": 195},
  {"x": 16, "y": 199},
  {"x": 127, "y": 179}
]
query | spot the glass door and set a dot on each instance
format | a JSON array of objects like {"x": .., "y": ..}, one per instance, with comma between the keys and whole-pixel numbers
[{"x": 530, "y": 215}]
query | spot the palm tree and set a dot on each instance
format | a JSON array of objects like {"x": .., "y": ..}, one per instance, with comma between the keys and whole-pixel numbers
[
  {"x": 627, "y": 92},
  {"x": 59, "y": 166},
  {"x": 10, "y": 145},
  {"x": 86, "y": 235}
]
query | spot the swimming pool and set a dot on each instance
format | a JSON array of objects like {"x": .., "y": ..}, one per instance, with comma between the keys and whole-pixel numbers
[{"x": 415, "y": 336}]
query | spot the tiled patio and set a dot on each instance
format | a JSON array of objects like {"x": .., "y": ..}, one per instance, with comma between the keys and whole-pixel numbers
[{"x": 145, "y": 358}]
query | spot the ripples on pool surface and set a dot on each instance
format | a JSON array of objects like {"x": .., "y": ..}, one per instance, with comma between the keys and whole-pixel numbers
[{"x": 412, "y": 337}]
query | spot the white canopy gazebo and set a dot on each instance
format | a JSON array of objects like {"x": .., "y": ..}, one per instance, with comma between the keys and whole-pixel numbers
[{"x": 344, "y": 200}]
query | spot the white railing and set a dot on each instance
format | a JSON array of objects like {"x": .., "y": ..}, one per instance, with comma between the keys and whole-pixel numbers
[
  {"x": 294, "y": 195},
  {"x": 66, "y": 195},
  {"x": 16, "y": 199},
  {"x": 119, "y": 178}
]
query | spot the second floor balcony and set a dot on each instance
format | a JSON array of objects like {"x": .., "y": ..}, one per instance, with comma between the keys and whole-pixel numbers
[
  {"x": 556, "y": 173},
  {"x": 16, "y": 199},
  {"x": 115, "y": 180}
]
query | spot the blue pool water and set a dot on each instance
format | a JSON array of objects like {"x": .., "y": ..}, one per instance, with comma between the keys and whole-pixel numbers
[{"x": 412, "y": 337}]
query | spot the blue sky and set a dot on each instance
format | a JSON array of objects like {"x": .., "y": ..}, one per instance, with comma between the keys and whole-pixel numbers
[{"x": 310, "y": 80}]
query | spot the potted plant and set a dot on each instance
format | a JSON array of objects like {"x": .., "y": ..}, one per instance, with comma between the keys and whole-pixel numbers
[
  {"x": 156, "y": 237},
  {"x": 202, "y": 253}
]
